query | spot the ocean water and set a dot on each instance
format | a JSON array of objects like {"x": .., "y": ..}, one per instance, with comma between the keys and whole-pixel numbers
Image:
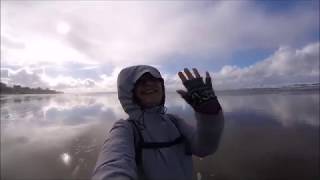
[{"x": 266, "y": 136}]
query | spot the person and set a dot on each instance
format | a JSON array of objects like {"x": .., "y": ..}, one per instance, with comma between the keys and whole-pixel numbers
[{"x": 152, "y": 144}]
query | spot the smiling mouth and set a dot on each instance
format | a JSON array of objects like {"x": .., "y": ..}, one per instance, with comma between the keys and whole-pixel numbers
[{"x": 150, "y": 91}]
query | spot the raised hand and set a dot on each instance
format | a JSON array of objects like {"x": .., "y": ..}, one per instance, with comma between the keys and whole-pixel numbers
[{"x": 200, "y": 95}]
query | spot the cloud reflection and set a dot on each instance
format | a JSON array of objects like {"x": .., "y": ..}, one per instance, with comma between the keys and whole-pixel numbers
[
  {"x": 72, "y": 128},
  {"x": 287, "y": 109}
]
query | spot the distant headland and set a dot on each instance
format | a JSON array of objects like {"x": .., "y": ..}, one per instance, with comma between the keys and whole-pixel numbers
[
  {"x": 312, "y": 87},
  {"x": 17, "y": 89}
]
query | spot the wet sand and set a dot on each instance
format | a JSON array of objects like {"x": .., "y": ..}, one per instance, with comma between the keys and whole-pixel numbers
[{"x": 266, "y": 136}]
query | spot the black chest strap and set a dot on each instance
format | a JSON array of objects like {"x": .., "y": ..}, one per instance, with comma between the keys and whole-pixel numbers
[
  {"x": 140, "y": 144},
  {"x": 155, "y": 145}
]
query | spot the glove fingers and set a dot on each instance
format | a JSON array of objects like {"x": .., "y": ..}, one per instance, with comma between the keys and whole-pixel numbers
[
  {"x": 208, "y": 80},
  {"x": 182, "y": 92},
  {"x": 188, "y": 73},
  {"x": 182, "y": 77},
  {"x": 196, "y": 73},
  {"x": 184, "y": 95}
]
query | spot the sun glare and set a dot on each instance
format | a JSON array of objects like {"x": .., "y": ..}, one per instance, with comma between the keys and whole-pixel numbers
[
  {"x": 63, "y": 28},
  {"x": 66, "y": 158}
]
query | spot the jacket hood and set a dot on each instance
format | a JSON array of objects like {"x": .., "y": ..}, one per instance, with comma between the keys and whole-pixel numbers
[{"x": 126, "y": 82}]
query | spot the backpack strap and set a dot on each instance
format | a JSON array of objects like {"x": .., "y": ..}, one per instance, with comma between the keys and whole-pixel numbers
[
  {"x": 156, "y": 145},
  {"x": 173, "y": 119},
  {"x": 140, "y": 144},
  {"x": 138, "y": 141}
]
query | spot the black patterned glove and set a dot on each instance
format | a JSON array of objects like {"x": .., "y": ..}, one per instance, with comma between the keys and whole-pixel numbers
[{"x": 199, "y": 95}]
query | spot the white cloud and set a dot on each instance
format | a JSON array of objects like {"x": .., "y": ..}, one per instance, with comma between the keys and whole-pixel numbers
[
  {"x": 62, "y": 35},
  {"x": 285, "y": 66},
  {"x": 38, "y": 50},
  {"x": 124, "y": 33},
  {"x": 24, "y": 76}
]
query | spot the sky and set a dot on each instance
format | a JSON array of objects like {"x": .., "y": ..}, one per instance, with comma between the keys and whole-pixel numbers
[{"x": 81, "y": 46}]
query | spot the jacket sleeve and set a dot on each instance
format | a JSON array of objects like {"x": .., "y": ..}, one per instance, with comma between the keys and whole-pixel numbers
[
  {"x": 204, "y": 137},
  {"x": 116, "y": 159}
]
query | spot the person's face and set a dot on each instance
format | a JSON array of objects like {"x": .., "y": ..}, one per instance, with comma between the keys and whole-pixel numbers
[{"x": 148, "y": 90}]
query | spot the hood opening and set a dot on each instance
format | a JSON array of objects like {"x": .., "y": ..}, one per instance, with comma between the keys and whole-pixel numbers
[
  {"x": 126, "y": 81},
  {"x": 135, "y": 98}
]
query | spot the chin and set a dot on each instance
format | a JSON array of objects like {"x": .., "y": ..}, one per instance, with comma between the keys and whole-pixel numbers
[{"x": 152, "y": 104}]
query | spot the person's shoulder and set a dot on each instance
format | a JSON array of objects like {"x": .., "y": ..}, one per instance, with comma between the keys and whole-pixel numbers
[
  {"x": 121, "y": 124},
  {"x": 173, "y": 117},
  {"x": 120, "y": 135}
]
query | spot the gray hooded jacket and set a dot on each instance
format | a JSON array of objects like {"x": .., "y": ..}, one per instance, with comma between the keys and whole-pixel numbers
[{"x": 117, "y": 157}]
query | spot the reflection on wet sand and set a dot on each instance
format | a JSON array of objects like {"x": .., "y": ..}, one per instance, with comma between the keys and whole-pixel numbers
[
  {"x": 66, "y": 159},
  {"x": 267, "y": 137},
  {"x": 272, "y": 136},
  {"x": 61, "y": 136}
]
